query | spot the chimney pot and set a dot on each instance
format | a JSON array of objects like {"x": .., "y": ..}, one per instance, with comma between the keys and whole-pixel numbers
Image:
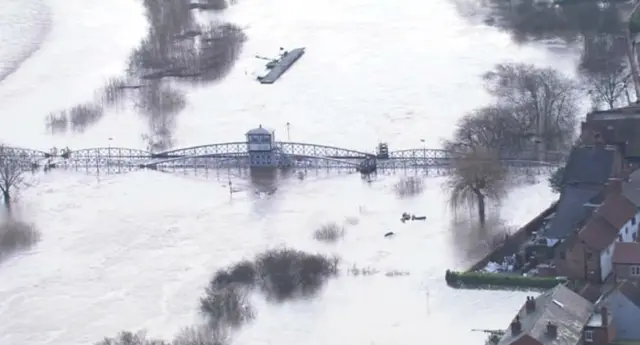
[
  {"x": 552, "y": 329},
  {"x": 516, "y": 326},
  {"x": 605, "y": 316},
  {"x": 530, "y": 305}
]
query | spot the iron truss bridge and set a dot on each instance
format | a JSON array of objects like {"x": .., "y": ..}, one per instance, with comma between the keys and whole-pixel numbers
[{"x": 234, "y": 155}]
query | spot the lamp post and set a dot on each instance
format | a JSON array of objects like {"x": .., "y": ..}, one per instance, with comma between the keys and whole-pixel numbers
[
  {"x": 288, "y": 131},
  {"x": 109, "y": 154}
]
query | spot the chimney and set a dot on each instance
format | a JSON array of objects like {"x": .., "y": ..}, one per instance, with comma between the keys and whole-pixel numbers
[
  {"x": 613, "y": 186},
  {"x": 516, "y": 326},
  {"x": 552, "y": 329},
  {"x": 530, "y": 304},
  {"x": 605, "y": 316}
]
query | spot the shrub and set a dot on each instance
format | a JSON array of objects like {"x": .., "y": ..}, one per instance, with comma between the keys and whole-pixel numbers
[
  {"x": 57, "y": 122},
  {"x": 242, "y": 273},
  {"x": 409, "y": 186},
  {"x": 202, "y": 335},
  {"x": 396, "y": 273},
  {"x": 15, "y": 236},
  {"x": 330, "y": 233},
  {"x": 362, "y": 271},
  {"x": 129, "y": 338},
  {"x": 471, "y": 279},
  {"x": 226, "y": 307},
  {"x": 83, "y": 115},
  {"x": 287, "y": 274}
]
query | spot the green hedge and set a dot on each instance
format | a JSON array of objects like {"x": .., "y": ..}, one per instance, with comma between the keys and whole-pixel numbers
[{"x": 471, "y": 279}]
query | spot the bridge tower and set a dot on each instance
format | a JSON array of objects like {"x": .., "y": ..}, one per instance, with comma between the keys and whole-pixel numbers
[{"x": 261, "y": 146}]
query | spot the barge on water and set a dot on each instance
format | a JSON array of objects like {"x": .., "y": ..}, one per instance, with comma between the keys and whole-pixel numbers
[{"x": 277, "y": 67}]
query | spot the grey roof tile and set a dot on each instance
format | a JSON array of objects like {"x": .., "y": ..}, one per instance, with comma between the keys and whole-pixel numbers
[
  {"x": 571, "y": 211},
  {"x": 560, "y": 306}
]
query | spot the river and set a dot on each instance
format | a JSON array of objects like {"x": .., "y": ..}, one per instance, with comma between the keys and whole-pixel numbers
[{"x": 135, "y": 251}]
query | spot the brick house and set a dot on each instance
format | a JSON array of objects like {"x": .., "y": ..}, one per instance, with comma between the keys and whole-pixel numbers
[
  {"x": 586, "y": 253},
  {"x": 626, "y": 261},
  {"x": 559, "y": 316}
]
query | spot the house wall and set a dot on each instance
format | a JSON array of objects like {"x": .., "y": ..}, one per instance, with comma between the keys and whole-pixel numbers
[
  {"x": 573, "y": 263},
  {"x": 601, "y": 335},
  {"x": 606, "y": 266},
  {"x": 624, "y": 272},
  {"x": 629, "y": 229},
  {"x": 625, "y": 316}
]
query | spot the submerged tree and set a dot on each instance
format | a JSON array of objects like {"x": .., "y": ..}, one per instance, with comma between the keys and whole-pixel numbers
[
  {"x": 13, "y": 165},
  {"x": 476, "y": 177},
  {"x": 543, "y": 101}
]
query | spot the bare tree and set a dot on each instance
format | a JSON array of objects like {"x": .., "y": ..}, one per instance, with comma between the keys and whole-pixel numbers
[
  {"x": 605, "y": 72},
  {"x": 494, "y": 127},
  {"x": 476, "y": 177},
  {"x": 609, "y": 87},
  {"x": 202, "y": 335},
  {"x": 543, "y": 101},
  {"x": 13, "y": 165}
]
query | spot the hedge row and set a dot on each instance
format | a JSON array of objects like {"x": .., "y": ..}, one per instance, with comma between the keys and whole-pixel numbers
[{"x": 471, "y": 279}]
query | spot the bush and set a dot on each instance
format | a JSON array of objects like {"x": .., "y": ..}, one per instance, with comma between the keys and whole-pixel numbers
[
  {"x": 362, "y": 271},
  {"x": 16, "y": 236},
  {"x": 288, "y": 274},
  {"x": 471, "y": 279},
  {"x": 409, "y": 186},
  {"x": 202, "y": 335},
  {"x": 129, "y": 338},
  {"x": 226, "y": 307},
  {"x": 242, "y": 273},
  {"x": 330, "y": 233}
]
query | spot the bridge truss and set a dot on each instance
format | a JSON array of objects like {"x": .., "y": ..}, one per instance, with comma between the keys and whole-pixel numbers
[{"x": 234, "y": 155}]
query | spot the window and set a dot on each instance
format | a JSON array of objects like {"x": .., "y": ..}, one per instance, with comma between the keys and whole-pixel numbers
[
  {"x": 626, "y": 230},
  {"x": 634, "y": 270},
  {"x": 634, "y": 235},
  {"x": 588, "y": 336},
  {"x": 633, "y": 220},
  {"x": 619, "y": 237}
]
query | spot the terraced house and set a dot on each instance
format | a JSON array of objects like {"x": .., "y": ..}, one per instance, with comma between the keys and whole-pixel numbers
[
  {"x": 560, "y": 317},
  {"x": 591, "y": 215}
]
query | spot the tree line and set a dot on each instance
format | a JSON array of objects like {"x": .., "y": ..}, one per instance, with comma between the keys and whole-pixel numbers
[{"x": 534, "y": 113}]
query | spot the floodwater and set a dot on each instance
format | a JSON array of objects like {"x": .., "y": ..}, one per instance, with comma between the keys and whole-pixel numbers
[{"x": 135, "y": 251}]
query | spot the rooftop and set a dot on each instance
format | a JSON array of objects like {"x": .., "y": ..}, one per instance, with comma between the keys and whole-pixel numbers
[
  {"x": 631, "y": 188},
  {"x": 571, "y": 211},
  {"x": 259, "y": 130},
  {"x": 598, "y": 234},
  {"x": 631, "y": 291},
  {"x": 626, "y": 253},
  {"x": 589, "y": 165},
  {"x": 559, "y": 306},
  {"x": 617, "y": 210},
  {"x": 618, "y": 126}
]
